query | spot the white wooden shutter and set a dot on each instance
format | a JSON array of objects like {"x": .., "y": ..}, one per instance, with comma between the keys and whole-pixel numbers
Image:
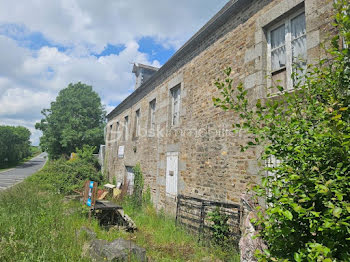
[{"x": 171, "y": 173}]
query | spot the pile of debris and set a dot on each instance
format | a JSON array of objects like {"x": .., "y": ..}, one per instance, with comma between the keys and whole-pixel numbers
[{"x": 109, "y": 213}]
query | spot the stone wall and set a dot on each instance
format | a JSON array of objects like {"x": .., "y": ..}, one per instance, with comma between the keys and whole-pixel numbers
[{"x": 211, "y": 165}]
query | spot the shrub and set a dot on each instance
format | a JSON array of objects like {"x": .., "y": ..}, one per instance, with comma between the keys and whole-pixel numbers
[
  {"x": 146, "y": 196},
  {"x": 307, "y": 216},
  {"x": 219, "y": 227},
  {"x": 64, "y": 176},
  {"x": 136, "y": 197}
]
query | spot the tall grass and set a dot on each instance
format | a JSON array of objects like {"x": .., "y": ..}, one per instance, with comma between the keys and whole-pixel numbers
[
  {"x": 35, "y": 226},
  {"x": 165, "y": 241}
]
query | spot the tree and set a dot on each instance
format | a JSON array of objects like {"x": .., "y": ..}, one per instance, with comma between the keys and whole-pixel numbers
[
  {"x": 75, "y": 119},
  {"x": 14, "y": 144},
  {"x": 307, "y": 211}
]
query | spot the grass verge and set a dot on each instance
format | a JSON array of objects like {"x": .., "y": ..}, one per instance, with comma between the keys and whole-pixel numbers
[
  {"x": 165, "y": 241},
  {"x": 36, "y": 224}
]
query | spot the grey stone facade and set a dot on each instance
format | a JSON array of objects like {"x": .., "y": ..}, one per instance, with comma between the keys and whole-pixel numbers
[{"x": 206, "y": 154}]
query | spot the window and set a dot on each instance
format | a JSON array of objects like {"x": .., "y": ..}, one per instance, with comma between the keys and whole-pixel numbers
[
  {"x": 110, "y": 133},
  {"x": 287, "y": 49},
  {"x": 126, "y": 130},
  {"x": 117, "y": 131},
  {"x": 152, "y": 114},
  {"x": 175, "y": 105},
  {"x": 137, "y": 123}
]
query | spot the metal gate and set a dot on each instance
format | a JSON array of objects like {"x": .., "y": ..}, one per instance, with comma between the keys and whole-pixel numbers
[{"x": 193, "y": 213}]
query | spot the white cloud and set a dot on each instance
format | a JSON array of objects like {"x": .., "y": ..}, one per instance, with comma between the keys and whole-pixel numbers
[
  {"x": 35, "y": 78},
  {"x": 94, "y": 23},
  {"x": 31, "y": 79}
]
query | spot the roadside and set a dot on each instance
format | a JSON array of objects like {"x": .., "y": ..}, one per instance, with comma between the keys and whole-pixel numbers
[
  {"x": 35, "y": 154},
  {"x": 15, "y": 175},
  {"x": 39, "y": 224}
]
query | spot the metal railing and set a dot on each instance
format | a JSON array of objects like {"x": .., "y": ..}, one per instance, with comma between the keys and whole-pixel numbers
[{"x": 194, "y": 213}]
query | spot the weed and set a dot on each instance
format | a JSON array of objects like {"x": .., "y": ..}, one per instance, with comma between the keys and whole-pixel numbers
[
  {"x": 136, "y": 197},
  {"x": 33, "y": 226}
]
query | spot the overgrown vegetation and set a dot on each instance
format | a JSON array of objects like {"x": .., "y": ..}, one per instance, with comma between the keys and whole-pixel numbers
[
  {"x": 307, "y": 214},
  {"x": 64, "y": 177},
  {"x": 36, "y": 224},
  {"x": 220, "y": 227},
  {"x": 35, "y": 150},
  {"x": 136, "y": 197},
  {"x": 14, "y": 145},
  {"x": 165, "y": 241}
]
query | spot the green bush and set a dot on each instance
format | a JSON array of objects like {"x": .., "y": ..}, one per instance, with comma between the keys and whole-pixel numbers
[
  {"x": 219, "y": 227},
  {"x": 35, "y": 150},
  {"x": 307, "y": 216},
  {"x": 87, "y": 154},
  {"x": 136, "y": 197},
  {"x": 64, "y": 176},
  {"x": 146, "y": 197}
]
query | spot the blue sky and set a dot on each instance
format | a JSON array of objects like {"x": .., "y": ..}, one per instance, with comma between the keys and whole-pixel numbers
[
  {"x": 36, "y": 40},
  {"x": 46, "y": 45},
  {"x": 155, "y": 50},
  {"x": 25, "y": 38}
]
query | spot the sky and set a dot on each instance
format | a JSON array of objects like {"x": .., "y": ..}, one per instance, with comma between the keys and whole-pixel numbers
[{"x": 45, "y": 45}]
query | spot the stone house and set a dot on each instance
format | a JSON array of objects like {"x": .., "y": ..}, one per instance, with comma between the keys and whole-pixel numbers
[{"x": 169, "y": 123}]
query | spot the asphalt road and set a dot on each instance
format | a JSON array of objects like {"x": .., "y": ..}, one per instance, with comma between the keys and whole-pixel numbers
[{"x": 12, "y": 176}]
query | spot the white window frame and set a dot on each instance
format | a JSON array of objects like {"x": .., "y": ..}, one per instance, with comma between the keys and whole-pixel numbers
[
  {"x": 152, "y": 114},
  {"x": 288, "y": 45},
  {"x": 175, "y": 115}
]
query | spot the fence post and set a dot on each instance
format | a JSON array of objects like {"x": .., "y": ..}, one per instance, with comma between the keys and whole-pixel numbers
[
  {"x": 177, "y": 209},
  {"x": 201, "y": 226}
]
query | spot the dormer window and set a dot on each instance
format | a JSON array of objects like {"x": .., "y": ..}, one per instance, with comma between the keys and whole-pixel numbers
[{"x": 143, "y": 73}]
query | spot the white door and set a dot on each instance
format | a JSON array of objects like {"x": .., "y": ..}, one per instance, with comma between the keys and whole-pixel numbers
[
  {"x": 171, "y": 173},
  {"x": 130, "y": 176}
]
